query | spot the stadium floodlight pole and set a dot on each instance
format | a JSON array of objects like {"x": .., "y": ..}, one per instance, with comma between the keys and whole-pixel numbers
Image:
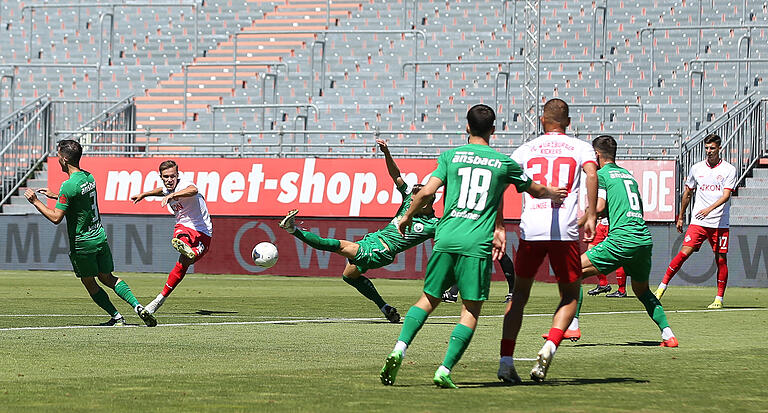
[
  {"x": 531, "y": 78},
  {"x": 653, "y": 31},
  {"x": 324, "y": 33},
  {"x": 113, "y": 6},
  {"x": 186, "y": 66},
  {"x": 101, "y": 40},
  {"x": 306, "y": 106}
]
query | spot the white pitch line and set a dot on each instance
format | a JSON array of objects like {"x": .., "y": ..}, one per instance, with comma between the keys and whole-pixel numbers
[{"x": 336, "y": 320}]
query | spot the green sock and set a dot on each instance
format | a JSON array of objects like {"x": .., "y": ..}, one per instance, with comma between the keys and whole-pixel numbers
[
  {"x": 578, "y": 303},
  {"x": 366, "y": 288},
  {"x": 460, "y": 338},
  {"x": 124, "y": 291},
  {"x": 654, "y": 309},
  {"x": 317, "y": 242},
  {"x": 412, "y": 323},
  {"x": 102, "y": 300}
]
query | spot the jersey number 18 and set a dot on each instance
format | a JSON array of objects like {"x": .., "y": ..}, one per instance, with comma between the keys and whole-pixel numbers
[{"x": 475, "y": 183}]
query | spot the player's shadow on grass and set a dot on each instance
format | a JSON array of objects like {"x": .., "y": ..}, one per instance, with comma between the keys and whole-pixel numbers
[
  {"x": 554, "y": 382},
  {"x": 213, "y": 312},
  {"x": 643, "y": 343}
]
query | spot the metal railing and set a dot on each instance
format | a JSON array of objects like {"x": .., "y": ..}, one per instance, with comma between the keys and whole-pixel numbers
[
  {"x": 743, "y": 133},
  {"x": 120, "y": 116}
]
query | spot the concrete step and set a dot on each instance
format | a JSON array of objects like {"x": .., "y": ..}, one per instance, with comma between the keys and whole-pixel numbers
[
  {"x": 748, "y": 220},
  {"x": 19, "y": 209},
  {"x": 746, "y": 201},
  {"x": 757, "y": 183},
  {"x": 760, "y": 173},
  {"x": 749, "y": 210}
]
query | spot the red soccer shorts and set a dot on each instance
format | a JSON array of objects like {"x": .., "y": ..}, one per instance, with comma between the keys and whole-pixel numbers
[
  {"x": 564, "y": 258},
  {"x": 718, "y": 238},
  {"x": 198, "y": 241},
  {"x": 601, "y": 231}
]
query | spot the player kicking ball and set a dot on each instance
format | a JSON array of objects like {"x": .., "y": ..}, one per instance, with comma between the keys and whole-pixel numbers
[
  {"x": 377, "y": 249},
  {"x": 193, "y": 230},
  {"x": 629, "y": 242},
  {"x": 469, "y": 237},
  {"x": 712, "y": 179},
  {"x": 88, "y": 248}
]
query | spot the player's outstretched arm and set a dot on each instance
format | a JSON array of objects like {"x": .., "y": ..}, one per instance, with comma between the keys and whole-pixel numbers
[
  {"x": 419, "y": 201},
  {"x": 394, "y": 171},
  {"x": 499, "y": 234},
  {"x": 590, "y": 222},
  {"x": 684, "y": 201},
  {"x": 47, "y": 192},
  {"x": 138, "y": 197},
  {"x": 53, "y": 215},
  {"x": 186, "y": 192},
  {"x": 554, "y": 193}
]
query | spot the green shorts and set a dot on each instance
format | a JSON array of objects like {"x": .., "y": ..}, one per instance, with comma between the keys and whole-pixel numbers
[
  {"x": 612, "y": 253},
  {"x": 471, "y": 274},
  {"x": 93, "y": 263},
  {"x": 373, "y": 253}
]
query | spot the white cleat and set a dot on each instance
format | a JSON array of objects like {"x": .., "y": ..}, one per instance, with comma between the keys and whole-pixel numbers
[
  {"x": 287, "y": 223},
  {"x": 183, "y": 248},
  {"x": 507, "y": 372},
  {"x": 155, "y": 304},
  {"x": 543, "y": 361}
]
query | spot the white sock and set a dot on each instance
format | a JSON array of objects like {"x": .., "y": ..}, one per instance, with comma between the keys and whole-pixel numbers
[
  {"x": 117, "y": 316},
  {"x": 663, "y": 286},
  {"x": 401, "y": 347},
  {"x": 443, "y": 369},
  {"x": 667, "y": 333},
  {"x": 551, "y": 344},
  {"x": 574, "y": 324},
  {"x": 719, "y": 298}
]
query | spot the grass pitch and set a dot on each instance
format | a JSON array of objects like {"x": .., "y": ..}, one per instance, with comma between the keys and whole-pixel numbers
[{"x": 262, "y": 343}]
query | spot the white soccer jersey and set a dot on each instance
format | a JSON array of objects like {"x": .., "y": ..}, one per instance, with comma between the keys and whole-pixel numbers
[
  {"x": 709, "y": 183},
  {"x": 553, "y": 159},
  {"x": 190, "y": 211}
]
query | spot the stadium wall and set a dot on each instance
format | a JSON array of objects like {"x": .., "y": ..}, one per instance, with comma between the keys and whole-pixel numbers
[{"x": 142, "y": 244}]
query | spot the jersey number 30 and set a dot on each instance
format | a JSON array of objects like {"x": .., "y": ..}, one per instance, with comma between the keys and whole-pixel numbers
[{"x": 475, "y": 183}]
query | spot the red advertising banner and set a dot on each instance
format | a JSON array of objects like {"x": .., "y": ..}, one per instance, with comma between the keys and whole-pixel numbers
[
  {"x": 317, "y": 187},
  {"x": 234, "y": 238}
]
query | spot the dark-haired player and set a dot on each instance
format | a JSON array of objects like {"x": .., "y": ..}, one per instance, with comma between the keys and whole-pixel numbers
[
  {"x": 193, "y": 230},
  {"x": 550, "y": 229},
  {"x": 469, "y": 236},
  {"x": 377, "y": 249},
  {"x": 88, "y": 248},
  {"x": 629, "y": 242},
  {"x": 713, "y": 180}
]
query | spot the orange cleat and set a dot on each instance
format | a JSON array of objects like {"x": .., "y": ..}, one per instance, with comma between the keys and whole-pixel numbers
[{"x": 672, "y": 342}]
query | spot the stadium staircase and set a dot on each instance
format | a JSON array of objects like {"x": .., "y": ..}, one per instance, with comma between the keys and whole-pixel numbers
[{"x": 748, "y": 206}]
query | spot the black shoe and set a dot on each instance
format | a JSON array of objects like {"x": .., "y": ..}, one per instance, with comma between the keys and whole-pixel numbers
[
  {"x": 447, "y": 297},
  {"x": 617, "y": 294},
  {"x": 391, "y": 314},
  {"x": 599, "y": 289},
  {"x": 508, "y": 298},
  {"x": 146, "y": 316},
  {"x": 119, "y": 322}
]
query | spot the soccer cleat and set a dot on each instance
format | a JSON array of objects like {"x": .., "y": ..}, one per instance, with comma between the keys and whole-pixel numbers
[
  {"x": 659, "y": 292},
  {"x": 155, "y": 304},
  {"x": 508, "y": 298},
  {"x": 717, "y": 304},
  {"x": 599, "y": 289},
  {"x": 671, "y": 342},
  {"x": 287, "y": 223},
  {"x": 617, "y": 294},
  {"x": 183, "y": 248},
  {"x": 117, "y": 322},
  {"x": 443, "y": 380},
  {"x": 507, "y": 373},
  {"x": 391, "y": 314},
  {"x": 447, "y": 297},
  {"x": 391, "y": 366},
  {"x": 573, "y": 335},
  {"x": 146, "y": 316},
  {"x": 543, "y": 361}
]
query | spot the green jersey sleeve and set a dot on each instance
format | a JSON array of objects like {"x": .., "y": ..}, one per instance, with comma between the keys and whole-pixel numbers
[
  {"x": 442, "y": 167},
  {"x": 517, "y": 177},
  {"x": 66, "y": 194}
]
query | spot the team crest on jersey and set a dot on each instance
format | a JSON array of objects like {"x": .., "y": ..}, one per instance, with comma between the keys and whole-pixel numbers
[
  {"x": 63, "y": 199},
  {"x": 720, "y": 178},
  {"x": 418, "y": 227}
]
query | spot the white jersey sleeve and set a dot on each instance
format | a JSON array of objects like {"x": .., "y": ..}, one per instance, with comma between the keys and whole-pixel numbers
[{"x": 192, "y": 211}]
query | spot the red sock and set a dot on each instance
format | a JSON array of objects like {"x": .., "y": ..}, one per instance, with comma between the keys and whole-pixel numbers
[
  {"x": 722, "y": 275},
  {"x": 507, "y": 347},
  {"x": 174, "y": 278},
  {"x": 674, "y": 266},
  {"x": 555, "y": 336},
  {"x": 602, "y": 280},
  {"x": 621, "y": 279}
]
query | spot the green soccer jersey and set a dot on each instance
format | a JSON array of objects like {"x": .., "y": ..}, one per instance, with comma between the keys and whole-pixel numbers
[
  {"x": 625, "y": 207},
  {"x": 422, "y": 229},
  {"x": 77, "y": 198},
  {"x": 475, "y": 177}
]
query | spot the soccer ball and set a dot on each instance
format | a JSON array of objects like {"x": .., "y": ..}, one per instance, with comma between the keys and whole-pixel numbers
[{"x": 264, "y": 254}]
